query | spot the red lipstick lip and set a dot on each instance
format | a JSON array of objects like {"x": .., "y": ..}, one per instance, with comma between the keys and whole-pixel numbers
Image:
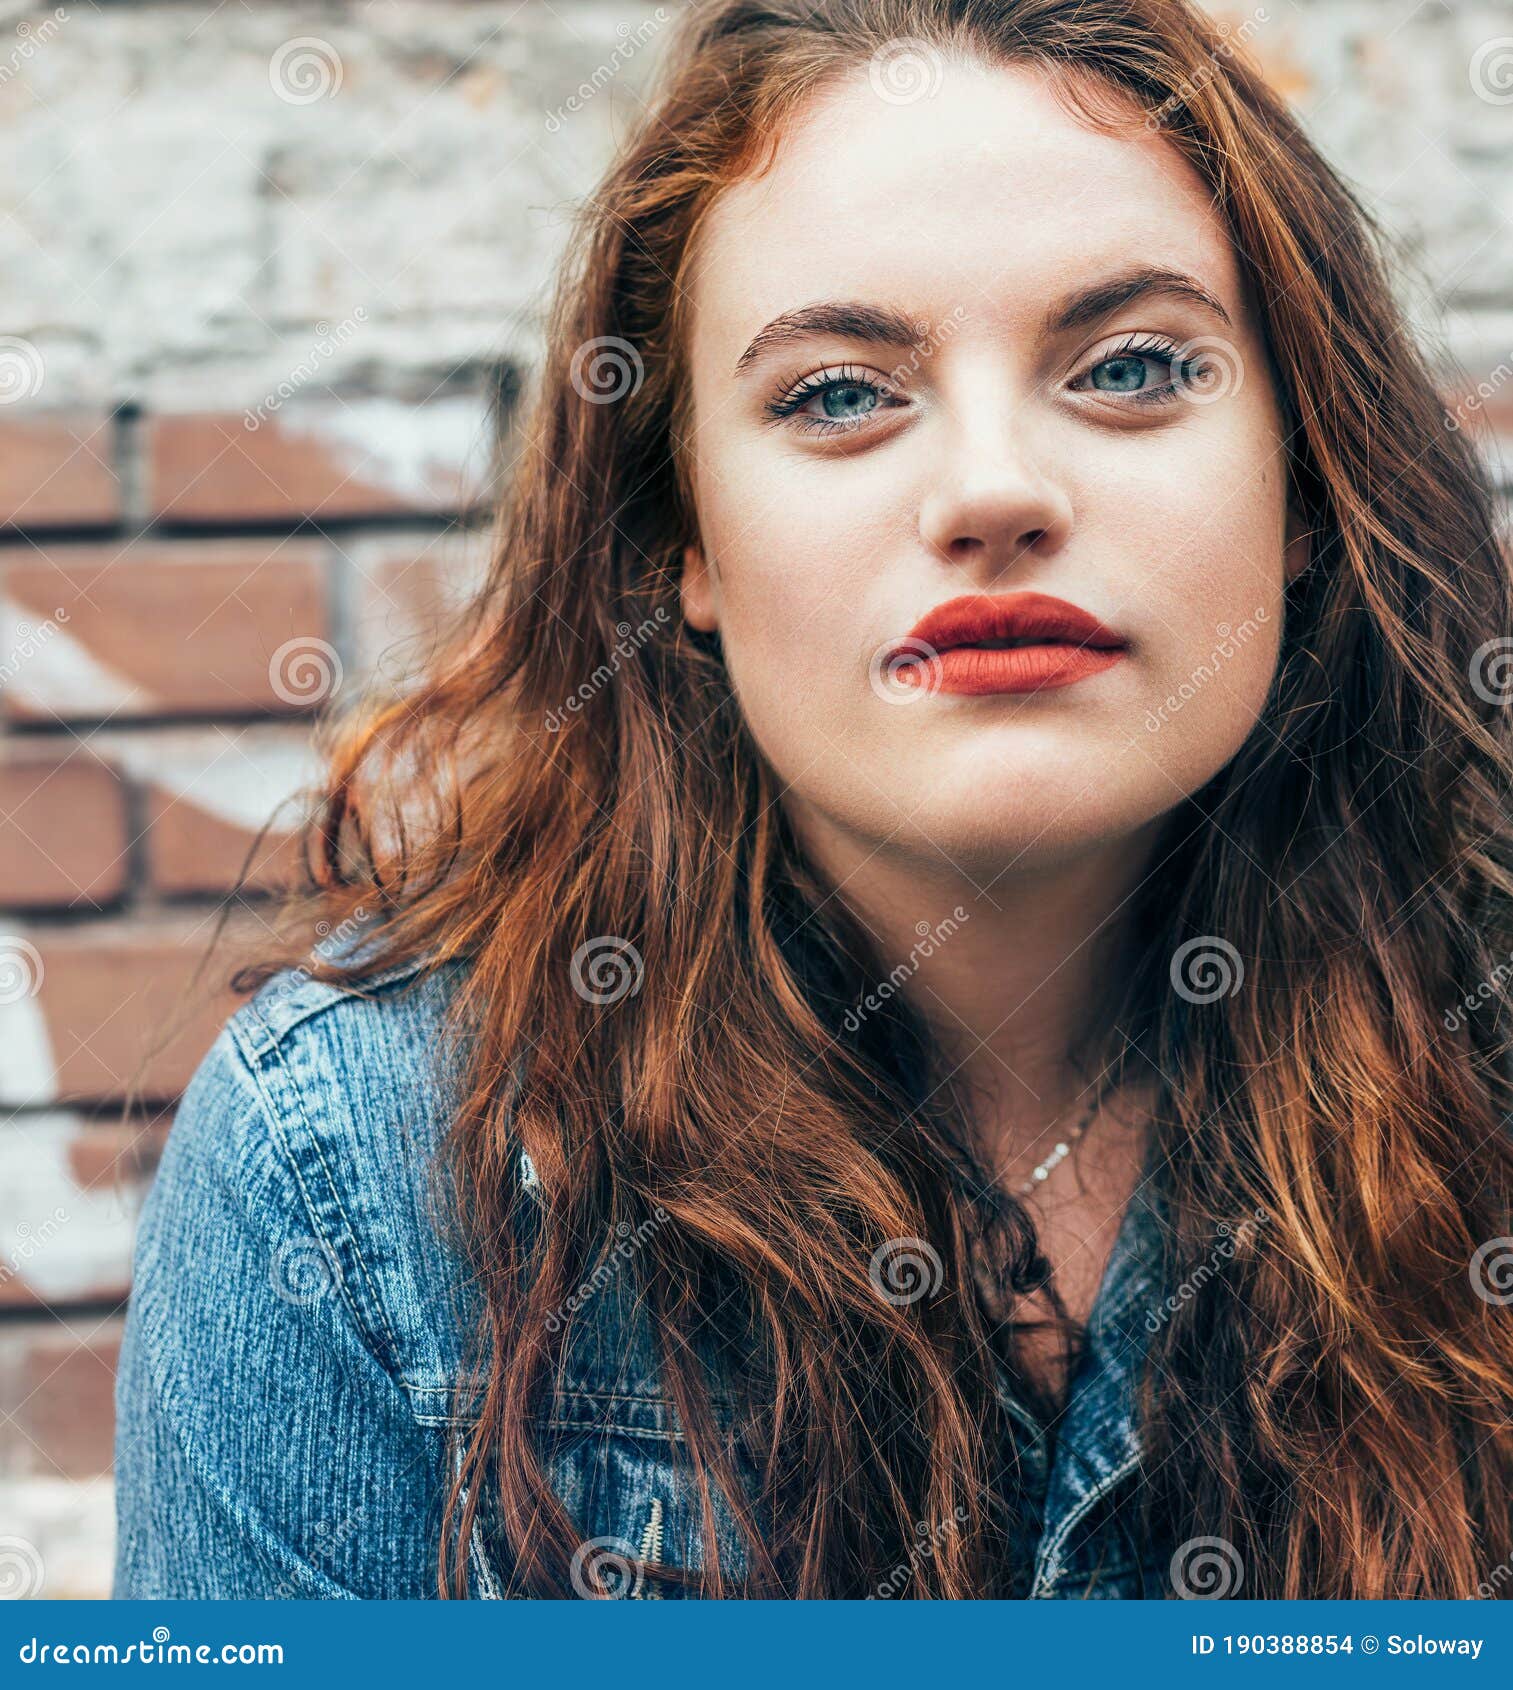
[
  {"x": 976, "y": 617},
  {"x": 944, "y": 651}
]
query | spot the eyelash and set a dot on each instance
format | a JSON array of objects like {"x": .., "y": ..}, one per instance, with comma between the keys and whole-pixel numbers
[{"x": 789, "y": 408}]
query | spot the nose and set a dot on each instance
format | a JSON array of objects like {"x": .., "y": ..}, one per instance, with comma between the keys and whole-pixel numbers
[{"x": 994, "y": 502}]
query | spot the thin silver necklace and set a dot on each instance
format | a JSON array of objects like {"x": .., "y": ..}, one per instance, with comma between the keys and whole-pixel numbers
[{"x": 1058, "y": 1152}]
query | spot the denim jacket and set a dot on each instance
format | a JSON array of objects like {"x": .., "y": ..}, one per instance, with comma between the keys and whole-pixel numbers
[{"x": 297, "y": 1326}]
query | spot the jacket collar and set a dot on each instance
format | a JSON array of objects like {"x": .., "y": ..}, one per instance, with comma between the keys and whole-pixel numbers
[{"x": 1099, "y": 1441}]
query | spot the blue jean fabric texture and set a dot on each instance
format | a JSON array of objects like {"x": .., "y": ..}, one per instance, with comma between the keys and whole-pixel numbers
[{"x": 297, "y": 1326}]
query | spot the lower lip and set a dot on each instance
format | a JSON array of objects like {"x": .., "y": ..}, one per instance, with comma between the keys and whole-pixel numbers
[{"x": 1027, "y": 668}]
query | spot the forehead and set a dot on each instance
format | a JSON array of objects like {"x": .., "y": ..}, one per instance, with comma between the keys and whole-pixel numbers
[{"x": 985, "y": 194}]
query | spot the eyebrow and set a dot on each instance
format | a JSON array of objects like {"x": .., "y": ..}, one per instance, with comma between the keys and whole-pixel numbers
[{"x": 880, "y": 325}]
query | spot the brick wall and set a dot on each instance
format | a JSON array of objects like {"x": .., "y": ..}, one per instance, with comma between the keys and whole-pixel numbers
[{"x": 268, "y": 278}]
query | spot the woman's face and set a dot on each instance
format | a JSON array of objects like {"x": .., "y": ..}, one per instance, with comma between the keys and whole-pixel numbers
[{"x": 1018, "y": 387}]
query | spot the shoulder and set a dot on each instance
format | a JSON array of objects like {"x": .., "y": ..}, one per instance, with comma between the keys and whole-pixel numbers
[{"x": 324, "y": 1107}]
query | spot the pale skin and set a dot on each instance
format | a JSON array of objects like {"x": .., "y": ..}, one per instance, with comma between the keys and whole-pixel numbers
[{"x": 996, "y": 452}]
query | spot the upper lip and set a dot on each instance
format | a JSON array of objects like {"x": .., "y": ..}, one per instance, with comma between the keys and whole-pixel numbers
[{"x": 978, "y": 617}]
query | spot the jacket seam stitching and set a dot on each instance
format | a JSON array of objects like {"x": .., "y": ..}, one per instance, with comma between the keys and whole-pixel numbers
[
  {"x": 1049, "y": 1554},
  {"x": 375, "y": 1345}
]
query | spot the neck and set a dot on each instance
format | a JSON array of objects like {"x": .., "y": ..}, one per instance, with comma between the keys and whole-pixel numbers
[{"x": 1010, "y": 973}]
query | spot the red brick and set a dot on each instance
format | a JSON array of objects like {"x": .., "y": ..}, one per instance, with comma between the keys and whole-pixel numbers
[
  {"x": 58, "y": 1383},
  {"x": 320, "y": 457},
  {"x": 57, "y": 471},
  {"x": 68, "y": 1206},
  {"x": 168, "y": 630},
  {"x": 118, "y": 1010},
  {"x": 413, "y": 588},
  {"x": 62, "y": 830},
  {"x": 209, "y": 794}
]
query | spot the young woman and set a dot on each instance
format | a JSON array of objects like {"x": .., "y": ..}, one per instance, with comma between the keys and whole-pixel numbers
[{"x": 943, "y": 926}]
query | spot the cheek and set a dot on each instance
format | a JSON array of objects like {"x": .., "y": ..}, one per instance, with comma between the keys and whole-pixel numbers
[
  {"x": 1207, "y": 590},
  {"x": 800, "y": 571}
]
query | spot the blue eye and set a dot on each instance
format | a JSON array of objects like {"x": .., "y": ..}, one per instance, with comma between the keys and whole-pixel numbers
[
  {"x": 1120, "y": 375},
  {"x": 837, "y": 402},
  {"x": 845, "y": 399},
  {"x": 1143, "y": 371}
]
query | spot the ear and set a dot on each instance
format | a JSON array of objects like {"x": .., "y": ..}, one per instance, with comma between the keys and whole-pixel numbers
[
  {"x": 697, "y": 590},
  {"x": 1297, "y": 549}
]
